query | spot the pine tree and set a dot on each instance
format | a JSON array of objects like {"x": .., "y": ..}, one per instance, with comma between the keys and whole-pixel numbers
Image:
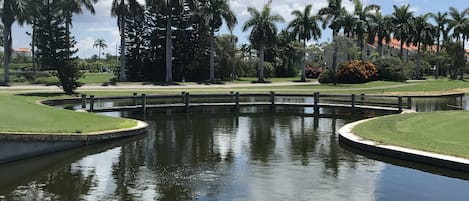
[{"x": 55, "y": 47}]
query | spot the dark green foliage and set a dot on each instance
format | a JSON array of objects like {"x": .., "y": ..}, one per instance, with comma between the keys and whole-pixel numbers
[
  {"x": 326, "y": 77},
  {"x": 55, "y": 47},
  {"x": 390, "y": 69},
  {"x": 145, "y": 46},
  {"x": 354, "y": 72},
  {"x": 455, "y": 62}
]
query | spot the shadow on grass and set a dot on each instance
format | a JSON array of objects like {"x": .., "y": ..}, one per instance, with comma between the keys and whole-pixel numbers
[
  {"x": 161, "y": 83},
  {"x": 43, "y": 94}
]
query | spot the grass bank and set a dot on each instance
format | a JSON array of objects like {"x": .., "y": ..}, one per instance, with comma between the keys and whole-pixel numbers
[
  {"x": 20, "y": 113},
  {"x": 442, "y": 132}
]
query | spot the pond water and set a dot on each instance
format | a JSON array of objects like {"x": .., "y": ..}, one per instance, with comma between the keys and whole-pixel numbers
[{"x": 256, "y": 154}]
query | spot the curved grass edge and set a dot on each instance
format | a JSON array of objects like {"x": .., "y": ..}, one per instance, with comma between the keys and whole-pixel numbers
[
  {"x": 23, "y": 114},
  {"x": 348, "y": 137}
]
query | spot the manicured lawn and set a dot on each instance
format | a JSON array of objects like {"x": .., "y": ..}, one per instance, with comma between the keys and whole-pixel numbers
[
  {"x": 22, "y": 114},
  {"x": 444, "y": 132},
  {"x": 96, "y": 78}
]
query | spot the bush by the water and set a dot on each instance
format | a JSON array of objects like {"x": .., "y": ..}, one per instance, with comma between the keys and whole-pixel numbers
[
  {"x": 354, "y": 72},
  {"x": 313, "y": 72},
  {"x": 326, "y": 77},
  {"x": 390, "y": 69}
]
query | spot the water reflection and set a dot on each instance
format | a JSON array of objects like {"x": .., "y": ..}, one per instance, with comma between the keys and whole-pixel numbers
[{"x": 256, "y": 154}]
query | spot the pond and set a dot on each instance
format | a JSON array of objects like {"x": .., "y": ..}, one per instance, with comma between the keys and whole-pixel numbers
[{"x": 217, "y": 154}]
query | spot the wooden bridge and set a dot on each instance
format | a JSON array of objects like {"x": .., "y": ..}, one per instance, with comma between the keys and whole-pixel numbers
[{"x": 235, "y": 100}]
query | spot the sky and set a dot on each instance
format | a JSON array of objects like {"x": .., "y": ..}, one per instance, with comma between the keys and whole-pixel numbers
[{"x": 87, "y": 28}]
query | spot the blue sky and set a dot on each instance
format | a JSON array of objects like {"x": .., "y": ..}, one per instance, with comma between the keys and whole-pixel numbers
[{"x": 87, "y": 27}]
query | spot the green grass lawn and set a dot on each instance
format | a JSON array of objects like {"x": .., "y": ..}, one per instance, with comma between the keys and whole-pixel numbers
[
  {"x": 20, "y": 113},
  {"x": 442, "y": 132},
  {"x": 96, "y": 78}
]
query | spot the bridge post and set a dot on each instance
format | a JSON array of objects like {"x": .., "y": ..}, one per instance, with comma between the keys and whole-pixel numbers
[
  {"x": 362, "y": 98},
  {"x": 183, "y": 97},
  {"x": 353, "y": 103},
  {"x": 272, "y": 100},
  {"x": 399, "y": 103},
  {"x": 83, "y": 101},
  {"x": 91, "y": 103},
  {"x": 186, "y": 102},
  {"x": 316, "y": 102},
  {"x": 135, "y": 99},
  {"x": 409, "y": 102},
  {"x": 237, "y": 101},
  {"x": 144, "y": 103}
]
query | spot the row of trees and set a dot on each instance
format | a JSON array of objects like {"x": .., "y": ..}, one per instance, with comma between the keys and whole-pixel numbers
[{"x": 168, "y": 40}]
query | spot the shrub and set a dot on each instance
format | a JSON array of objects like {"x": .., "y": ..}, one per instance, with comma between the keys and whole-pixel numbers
[
  {"x": 390, "y": 69},
  {"x": 313, "y": 72},
  {"x": 354, "y": 72},
  {"x": 326, "y": 77}
]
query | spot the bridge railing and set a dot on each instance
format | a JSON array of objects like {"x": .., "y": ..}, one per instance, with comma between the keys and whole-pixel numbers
[{"x": 235, "y": 99}]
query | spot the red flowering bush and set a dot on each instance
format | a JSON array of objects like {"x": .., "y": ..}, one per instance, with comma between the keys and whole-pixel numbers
[
  {"x": 356, "y": 71},
  {"x": 313, "y": 72}
]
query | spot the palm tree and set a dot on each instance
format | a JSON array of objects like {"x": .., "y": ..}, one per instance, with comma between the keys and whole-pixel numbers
[
  {"x": 441, "y": 19},
  {"x": 382, "y": 30},
  {"x": 332, "y": 15},
  {"x": 100, "y": 44},
  {"x": 120, "y": 8},
  {"x": 263, "y": 31},
  {"x": 217, "y": 11},
  {"x": 76, "y": 6},
  {"x": 364, "y": 15},
  {"x": 400, "y": 18},
  {"x": 421, "y": 32},
  {"x": 304, "y": 28},
  {"x": 348, "y": 22},
  {"x": 11, "y": 10},
  {"x": 457, "y": 23}
]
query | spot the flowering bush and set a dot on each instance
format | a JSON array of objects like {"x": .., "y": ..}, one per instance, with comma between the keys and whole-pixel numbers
[
  {"x": 356, "y": 71},
  {"x": 313, "y": 72}
]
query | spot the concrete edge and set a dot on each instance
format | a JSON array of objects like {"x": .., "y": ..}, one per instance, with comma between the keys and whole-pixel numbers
[
  {"x": 140, "y": 128},
  {"x": 445, "y": 161}
]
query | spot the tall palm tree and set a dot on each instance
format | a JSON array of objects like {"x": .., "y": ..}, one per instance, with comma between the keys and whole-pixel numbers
[
  {"x": 348, "y": 22},
  {"x": 100, "y": 44},
  {"x": 120, "y": 9},
  {"x": 364, "y": 15},
  {"x": 421, "y": 32},
  {"x": 457, "y": 23},
  {"x": 217, "y": 11},
  {"x": 382, "y": 30},
  {"x": 76, "y": 6},
  {"x": 332, "y": 15},
  {"x": 263, "y": 31},
  {"x": 441, "y": 20},
  {"x": 11, "y": 10},
  {"x": 305, "y": 27},
  {"x": 400, "y": 18},
  {"x": 168, "y": 8}
]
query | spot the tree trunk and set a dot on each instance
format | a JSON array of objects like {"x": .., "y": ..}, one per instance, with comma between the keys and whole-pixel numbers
[
  {"x": 169, "y": 52},
  {"x": 33, "y": 45},
  {"x": 437, "y": 66},
  {"x": 417, "y": 69},
  {"x": 464, "y": 57},
  {"x": 122, "y": 76},
  {"x": 334, "y": 56},
  {"x": 212, "y": 56},
  {"x": 380, "y": 48},
  {"x": 261, "y": 63},
  {"x": 303, "y": 70},
  {"x": 233, "y": 76},
  {"x": 7, "y": 52}
]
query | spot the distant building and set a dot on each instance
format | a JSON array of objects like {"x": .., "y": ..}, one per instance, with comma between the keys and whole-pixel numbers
[{"x": 21, "y": 52}]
